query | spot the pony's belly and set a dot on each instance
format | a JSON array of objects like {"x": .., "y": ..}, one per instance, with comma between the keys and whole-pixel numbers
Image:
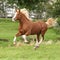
[{"x": 35, "y": 31}]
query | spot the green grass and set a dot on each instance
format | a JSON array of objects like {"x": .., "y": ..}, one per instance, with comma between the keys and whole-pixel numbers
[
  {"x": 45, "y": 52},
  {"x": 26, "y": 52}
]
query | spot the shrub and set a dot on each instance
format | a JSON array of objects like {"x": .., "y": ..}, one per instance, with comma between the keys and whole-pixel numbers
[
  {"x": 57, "y": 28},
  {"x": 58, "y": 21}
]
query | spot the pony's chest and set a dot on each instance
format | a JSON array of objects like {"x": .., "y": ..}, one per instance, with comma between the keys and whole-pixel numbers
[{"x": 25, "y": 28}]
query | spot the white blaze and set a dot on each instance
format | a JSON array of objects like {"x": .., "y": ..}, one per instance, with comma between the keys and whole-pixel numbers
[{"x": 13, "y": 18}]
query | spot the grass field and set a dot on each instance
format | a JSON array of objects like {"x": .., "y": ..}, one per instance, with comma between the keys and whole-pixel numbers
[
  {"x": 26, "y": 52},
  {"x": 45, "y": 52}
]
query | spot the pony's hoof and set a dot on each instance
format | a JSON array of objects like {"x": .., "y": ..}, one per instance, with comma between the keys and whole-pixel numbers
[
  {"x": 36, "y": 47},
  {"x": 14, "y": 43},
  {"x": 26, "y": 42}
]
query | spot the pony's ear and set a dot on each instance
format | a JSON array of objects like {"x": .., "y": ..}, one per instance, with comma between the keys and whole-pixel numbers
[{"x": 17, "y": 10}]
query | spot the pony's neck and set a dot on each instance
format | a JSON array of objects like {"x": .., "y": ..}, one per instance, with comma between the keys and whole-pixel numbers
[{"x": 23, "y": 19}]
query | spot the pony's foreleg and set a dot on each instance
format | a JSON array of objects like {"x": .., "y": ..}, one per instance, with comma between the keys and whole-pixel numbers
[
  {"x": 14, "y": 40},
  {"x": 26, "y": 34},
  {"x": 24, "y": 37}
]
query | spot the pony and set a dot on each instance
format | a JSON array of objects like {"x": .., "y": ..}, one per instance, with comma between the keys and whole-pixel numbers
[{"x": 27, "y": 27}]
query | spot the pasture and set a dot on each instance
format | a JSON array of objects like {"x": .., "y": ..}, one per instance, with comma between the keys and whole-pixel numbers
[{"x": 25, "y": 51}]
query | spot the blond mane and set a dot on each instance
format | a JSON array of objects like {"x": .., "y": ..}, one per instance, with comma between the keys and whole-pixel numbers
[{"x": 25, "y": 12}]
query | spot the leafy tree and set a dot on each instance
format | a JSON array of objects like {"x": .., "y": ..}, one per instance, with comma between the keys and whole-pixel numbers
[
  {"x": 31, "y": 4},
  {"x": 56, "y": 9},
  {"x": 52, "y": 7}
]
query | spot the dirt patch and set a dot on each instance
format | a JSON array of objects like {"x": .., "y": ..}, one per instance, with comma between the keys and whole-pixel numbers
[
  {"x": 32, "y": 43},
  {"x": 48, "y": 42},
  {"x": 19, "y": 44}
]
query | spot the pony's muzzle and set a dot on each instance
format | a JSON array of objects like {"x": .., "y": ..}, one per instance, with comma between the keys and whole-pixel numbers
[{"x": 13, "y": 19}]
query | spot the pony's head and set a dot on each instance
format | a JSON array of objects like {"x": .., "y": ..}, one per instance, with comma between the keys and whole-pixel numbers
[
  {"x": 17, "y": 15},
  {"x": 51, "y": 22}
]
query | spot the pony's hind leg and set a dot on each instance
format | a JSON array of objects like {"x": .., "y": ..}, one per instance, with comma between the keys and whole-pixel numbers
[
  {"x": 42, "y": 36},
  {"x": 41, "y": 39},
  {"x": 37, "y": 42}
]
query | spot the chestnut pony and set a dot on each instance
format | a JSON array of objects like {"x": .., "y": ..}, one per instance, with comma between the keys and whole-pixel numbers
[{"x": 27, "y": 27}]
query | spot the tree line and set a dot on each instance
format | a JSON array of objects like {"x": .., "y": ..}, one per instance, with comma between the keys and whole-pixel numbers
[{"x": 52, "y": 7}]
